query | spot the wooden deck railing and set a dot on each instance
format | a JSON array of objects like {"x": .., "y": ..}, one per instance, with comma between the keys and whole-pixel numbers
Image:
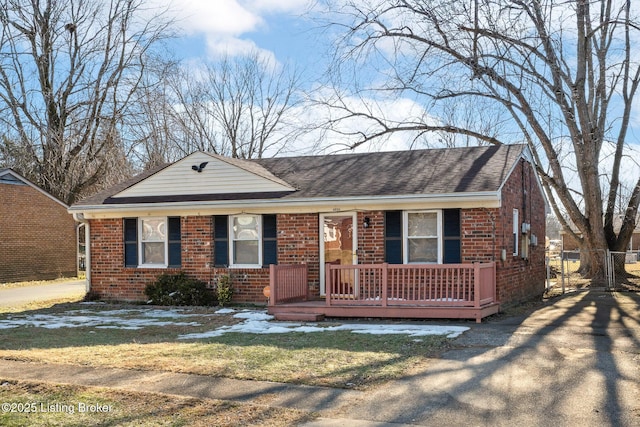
[
  {"x": 428, "y": 285},
  {"x": 288, "y": 283}
]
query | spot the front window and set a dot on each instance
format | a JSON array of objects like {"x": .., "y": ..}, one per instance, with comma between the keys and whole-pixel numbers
[
  {"x": 245, "y": 245},
  {"x": 422, "y": 244},
  {"x": 153, "y": 238}
]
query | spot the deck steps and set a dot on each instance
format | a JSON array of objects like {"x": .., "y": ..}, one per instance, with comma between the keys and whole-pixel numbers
[{"x": 300, "y": 317}]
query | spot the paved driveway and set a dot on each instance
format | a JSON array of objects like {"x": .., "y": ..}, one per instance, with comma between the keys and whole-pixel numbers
[
  {"x": 573, "y": 363},
  {"x": 23, "y": 295}
]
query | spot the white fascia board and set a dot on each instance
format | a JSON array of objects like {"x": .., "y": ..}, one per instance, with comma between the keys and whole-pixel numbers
[{"x": 308, "y": 205}]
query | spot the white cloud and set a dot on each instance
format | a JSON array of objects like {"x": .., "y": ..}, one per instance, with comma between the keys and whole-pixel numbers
[
  {"x": 225, "y": 24},
  {"x": 232, "y": 46},
  {"x": 268, "y": 6},
  {"x": 220, "y": 18}
]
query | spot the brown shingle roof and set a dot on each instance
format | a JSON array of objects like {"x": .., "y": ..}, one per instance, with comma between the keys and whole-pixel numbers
[{"x": 431, "y": 171}]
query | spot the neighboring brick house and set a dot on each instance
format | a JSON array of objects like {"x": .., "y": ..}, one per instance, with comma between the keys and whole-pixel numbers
[
  {"x": 209, "y": 215},
  {"x": 37, "y": 234}
]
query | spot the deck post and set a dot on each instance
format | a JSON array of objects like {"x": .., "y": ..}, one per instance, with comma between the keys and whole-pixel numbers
[
  {"x": 385, "y": 281},
  {"x": 476, "y": 284},
  {"x": 327, "y": 283},
  {"x": 272, "y": 284},
  {"x": 305, "y": 279},
  {"x": 494, "y": 288}
]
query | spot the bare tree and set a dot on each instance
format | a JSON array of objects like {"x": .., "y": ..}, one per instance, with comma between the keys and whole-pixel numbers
[
  {"x": 68, "y": 73},
  {"x": 565, "y": 72},
  {"x": 371, "y": 116},
  {"x": 238, "y": 106},
  {"x": 155, "y": 135}
]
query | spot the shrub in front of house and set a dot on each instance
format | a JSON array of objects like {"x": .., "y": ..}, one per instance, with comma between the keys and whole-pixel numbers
[
  {"x": 179, "y": 289},
  {"x": 224, "y": 290}
]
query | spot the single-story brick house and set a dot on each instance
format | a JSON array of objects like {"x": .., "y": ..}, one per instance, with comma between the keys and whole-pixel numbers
[
  {"x": 37, "y": 234},
  {"x": 373, "y": 233}
]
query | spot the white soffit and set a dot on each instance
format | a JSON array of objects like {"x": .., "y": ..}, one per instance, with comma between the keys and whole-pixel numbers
[{"x": 216, "y": 177}]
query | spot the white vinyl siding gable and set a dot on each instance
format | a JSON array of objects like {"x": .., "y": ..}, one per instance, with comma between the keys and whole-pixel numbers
[{"x": 217, "y": 177}]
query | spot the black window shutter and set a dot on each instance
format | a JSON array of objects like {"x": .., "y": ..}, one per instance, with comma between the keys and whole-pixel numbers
[
  {"x": 175, "y": 244},
  {"x": 269, "y": 240},
  {"x": 393, "y": 237},
  {"x": 221, "y": 240},
  {"x": 130, "y": 242},
  {"x": 452, "y": 236}
]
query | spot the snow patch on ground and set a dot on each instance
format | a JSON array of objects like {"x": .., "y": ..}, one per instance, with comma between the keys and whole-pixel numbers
[
  {"x": 107, "y": 319},
  {"x": 254, "y": 321},
  {"x": 257, "y": 322}
]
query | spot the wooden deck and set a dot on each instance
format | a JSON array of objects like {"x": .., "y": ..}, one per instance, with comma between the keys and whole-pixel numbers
[{"x": 420, "y": 291}]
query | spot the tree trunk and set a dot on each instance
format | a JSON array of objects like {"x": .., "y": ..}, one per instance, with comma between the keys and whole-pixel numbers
[{"x": 593, "y": 264}]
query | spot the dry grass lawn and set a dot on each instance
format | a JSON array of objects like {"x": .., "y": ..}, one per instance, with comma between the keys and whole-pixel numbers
[
  {"x": 63, "y": 405},
  {"x": 335, "y": 359}
]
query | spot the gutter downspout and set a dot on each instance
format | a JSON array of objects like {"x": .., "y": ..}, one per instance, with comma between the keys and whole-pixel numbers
[{"x": 79, "y": 216}]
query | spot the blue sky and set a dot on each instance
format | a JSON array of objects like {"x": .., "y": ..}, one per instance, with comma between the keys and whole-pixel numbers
[
  {"x": 284, "y": 30},
  {"x": 277, "y": 28}
]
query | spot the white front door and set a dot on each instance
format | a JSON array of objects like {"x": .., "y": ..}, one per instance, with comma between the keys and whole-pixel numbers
[{"x": 338, "y": 242}]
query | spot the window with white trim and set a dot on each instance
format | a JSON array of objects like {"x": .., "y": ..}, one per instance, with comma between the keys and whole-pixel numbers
[
  {"x": 245, "y": 235},
  {"x": 423, "y": 237},
  {"x": 153, "y": 241}
]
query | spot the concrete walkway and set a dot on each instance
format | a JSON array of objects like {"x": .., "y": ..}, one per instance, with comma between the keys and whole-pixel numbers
[{"x": 574, "y": 362}]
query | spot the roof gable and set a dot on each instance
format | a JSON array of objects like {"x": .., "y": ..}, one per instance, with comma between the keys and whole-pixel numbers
[
  {"x": 217, "y": 176},
  {"x": 10, "y": 177}
]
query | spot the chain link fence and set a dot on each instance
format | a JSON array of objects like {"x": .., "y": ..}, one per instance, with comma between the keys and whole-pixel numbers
[{"x": 621, "y": 271}]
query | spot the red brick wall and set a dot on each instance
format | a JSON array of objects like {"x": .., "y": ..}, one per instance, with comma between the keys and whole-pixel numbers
[
  {"x": 109, "y": 278},
  {"x": 482, "y": 236},
  {"x": 371, "y": 239},
  {"x": 485, "y": 233},
  {"x": 37, "y": 236},
  {"x": 298, "y": 242}
]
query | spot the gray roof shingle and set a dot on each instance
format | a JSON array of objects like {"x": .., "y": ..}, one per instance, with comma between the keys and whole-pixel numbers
[{"x": 433, "y": 171}]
